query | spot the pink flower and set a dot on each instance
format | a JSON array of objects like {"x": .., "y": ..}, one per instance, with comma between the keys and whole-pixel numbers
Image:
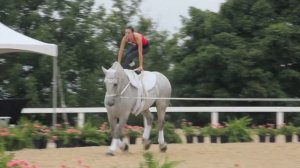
[
  {"x": 20, "y": 163},
  {"x": 37, "y": 125},
  {"x": 79, "y": 161},
  {"x": 72, "y": 131},
  {"x": 215, "y": 125},
  {"x": 58, "y": 125},
  {"x": 35, "y": 166},
  {"x": 104, "y": 127}
]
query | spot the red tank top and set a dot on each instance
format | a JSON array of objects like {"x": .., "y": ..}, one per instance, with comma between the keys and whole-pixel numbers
[{"x": 144, "y": 40}]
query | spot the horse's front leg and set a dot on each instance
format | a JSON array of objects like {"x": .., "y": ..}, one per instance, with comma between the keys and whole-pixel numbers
[
  {"x": 148, "y": 119},
  {"x": 117, "y": 129},
  {"x": 122, "y": 122},
  {"x": 114, "y": 142},
  {"x": 116, "y": 134}
]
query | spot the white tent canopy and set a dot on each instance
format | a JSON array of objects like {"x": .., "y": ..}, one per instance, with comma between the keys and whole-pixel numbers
[{"x": 12, "y": 41}]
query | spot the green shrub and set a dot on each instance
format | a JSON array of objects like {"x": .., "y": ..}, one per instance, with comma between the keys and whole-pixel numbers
[
  {"x": 13, "y": 143},
  {"x": 238, "y": 130},
  {"x": 12, "y": 139},
  {"x": 91, "y": 136},
  {"x": 261, "y": 130},
  {"x": 297, "y": 131},
  {"x": 272, "y": 131},
  {"x": 150, "y": 162},
  {"x": 188, "y": 128},
  {"x": 4, "y": 158},
  {"x": 94, "y": 119},
  {"x": 287, "y": 129},
  {"x": 215, "y": 130},
  {"x": 200, "y": 131},
  {"x": 26, "y": 129}
]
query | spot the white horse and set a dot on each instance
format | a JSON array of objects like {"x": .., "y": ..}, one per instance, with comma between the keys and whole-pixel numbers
[{"x": 121, "y": 99}]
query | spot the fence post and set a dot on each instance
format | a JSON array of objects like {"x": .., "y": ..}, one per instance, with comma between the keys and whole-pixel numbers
[
  {"x": 279, "y": 119},
  {"x": 80, "y": 120},
  {"x": 214, "y": 118}
]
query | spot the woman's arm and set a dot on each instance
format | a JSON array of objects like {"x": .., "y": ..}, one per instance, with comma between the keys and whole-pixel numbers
[
  {"x": 140, "y": 50},
  {"x": 122, "y": 45}
]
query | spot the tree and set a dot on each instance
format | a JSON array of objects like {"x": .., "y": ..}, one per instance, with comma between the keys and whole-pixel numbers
[
  {"x": 248, "y": 49},
  {"x": 87, "y": 39},
  {"x": 237, "y": 53}
]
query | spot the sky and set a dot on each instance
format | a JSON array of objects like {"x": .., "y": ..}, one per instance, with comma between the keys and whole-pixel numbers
[{"x": 166, "y": 13}]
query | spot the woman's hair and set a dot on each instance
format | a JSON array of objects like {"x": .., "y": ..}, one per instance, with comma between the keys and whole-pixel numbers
[{"x": 131, "y": 28}]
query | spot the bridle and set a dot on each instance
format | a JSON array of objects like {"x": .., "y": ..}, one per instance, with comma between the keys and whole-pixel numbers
[{"x": 116, "y": 94}]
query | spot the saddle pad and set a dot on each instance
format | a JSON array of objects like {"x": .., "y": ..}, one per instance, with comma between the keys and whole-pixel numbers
[{"x": 148, "y": 78}]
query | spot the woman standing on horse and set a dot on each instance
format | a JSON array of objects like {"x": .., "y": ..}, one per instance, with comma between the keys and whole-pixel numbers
[{"x": 140, "y": 46}]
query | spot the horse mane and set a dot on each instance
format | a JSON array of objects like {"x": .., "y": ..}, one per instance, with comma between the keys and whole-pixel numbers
[{"x": 117, "y": 66}]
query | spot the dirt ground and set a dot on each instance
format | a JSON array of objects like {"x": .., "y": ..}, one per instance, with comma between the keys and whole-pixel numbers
[{"x": 196, "y": 155}]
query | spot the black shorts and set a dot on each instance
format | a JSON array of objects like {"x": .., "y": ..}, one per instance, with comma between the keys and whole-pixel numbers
[{"x": 133, "y": 52}]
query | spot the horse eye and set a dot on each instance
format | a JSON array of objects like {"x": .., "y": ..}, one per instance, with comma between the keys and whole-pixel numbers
[{"x": 115, "y": 85}]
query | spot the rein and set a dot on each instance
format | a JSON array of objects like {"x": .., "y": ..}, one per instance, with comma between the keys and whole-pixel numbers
[{"x": 125, "y": 89}]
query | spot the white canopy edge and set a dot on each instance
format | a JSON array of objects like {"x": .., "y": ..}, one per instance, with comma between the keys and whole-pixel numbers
[{"x": 12, "y": 41}]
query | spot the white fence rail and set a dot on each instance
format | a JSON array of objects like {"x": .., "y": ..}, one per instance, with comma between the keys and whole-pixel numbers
[{"x": 280, "y": 110}]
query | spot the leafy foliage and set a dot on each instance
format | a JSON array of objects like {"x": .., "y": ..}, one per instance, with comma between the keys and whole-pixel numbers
[
  {"x": 238, "y": 130},
  {"x": 91, "y": 136},
  {"x": 150, "y": 162},
  {"x": 287, "y": 129},
  {"x": 4, "y": 158},
  {"x": 238, "y": 52}
]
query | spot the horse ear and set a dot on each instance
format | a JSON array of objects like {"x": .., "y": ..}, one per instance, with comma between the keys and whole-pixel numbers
[{"x": 104, "y": 70}]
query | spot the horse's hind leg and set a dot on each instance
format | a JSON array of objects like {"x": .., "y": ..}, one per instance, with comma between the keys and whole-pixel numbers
[
  {"x": 148, "y": 118},
  {"x": 161, "y": 107}
]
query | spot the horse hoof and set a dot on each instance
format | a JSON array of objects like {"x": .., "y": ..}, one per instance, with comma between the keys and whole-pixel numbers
[
  {"x": 110, "y": 153},
  {"x": 146, "y": 143},
  {"x": 125, "y": 148},
  {"x": 163, "y": 147},
  {"x": 147, "y": 147}
]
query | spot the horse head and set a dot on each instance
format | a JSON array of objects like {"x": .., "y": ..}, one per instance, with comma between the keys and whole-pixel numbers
[{"x": 112, "y": 80}]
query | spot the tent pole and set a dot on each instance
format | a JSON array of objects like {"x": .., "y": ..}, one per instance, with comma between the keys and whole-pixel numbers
[
  {"x": 54, "y": 92},
  {"x": 61, "y": 95}
]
